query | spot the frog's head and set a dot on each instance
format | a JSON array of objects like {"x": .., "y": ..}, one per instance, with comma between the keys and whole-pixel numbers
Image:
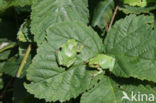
[
  {"x": 71, "y": 44},
  {"x": 93, "y": 63},
  {"x": 66, "y": 55}
]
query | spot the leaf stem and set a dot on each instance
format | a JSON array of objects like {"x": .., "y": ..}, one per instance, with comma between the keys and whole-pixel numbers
[
  {"x": 113, "y": 17},
  {"x": 23, "y": 61},
  {"x": 106, "y": 23}
]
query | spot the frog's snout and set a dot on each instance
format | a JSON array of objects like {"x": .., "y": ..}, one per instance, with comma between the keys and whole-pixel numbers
[{"x": 85, "y": 62}]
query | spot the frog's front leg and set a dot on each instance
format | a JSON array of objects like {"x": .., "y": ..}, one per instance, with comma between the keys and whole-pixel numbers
[
  {"x": 71, "y": 62},
  {"x": 98, "y": 72}
]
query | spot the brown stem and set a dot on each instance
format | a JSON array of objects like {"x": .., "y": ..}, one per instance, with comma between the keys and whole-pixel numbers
[
  {"x": 106, "y": 25},
  {"x": 113, "y": 17}
]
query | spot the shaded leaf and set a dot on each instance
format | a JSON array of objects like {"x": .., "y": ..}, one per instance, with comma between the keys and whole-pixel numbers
[
  {"x": 11, "y": 66},
  {"x": 4, "y": 55},
  {"x": 20, "y": 94},
  {"x": 103, "y": 13},
  {"x": 1, "y": 80},
  {"x": 24, "y": 34},
  {"x": 8, "y": 29}
]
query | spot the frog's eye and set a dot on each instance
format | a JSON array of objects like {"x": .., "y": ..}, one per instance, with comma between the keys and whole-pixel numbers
[
  {"x": 95, "y": 64},
  {"x": 60, "y": 48},
  {"x": 77, "y": 53}
]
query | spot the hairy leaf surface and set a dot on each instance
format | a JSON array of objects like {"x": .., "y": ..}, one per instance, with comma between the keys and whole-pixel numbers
[
  {"x": 56, "y": 11},
  {"x": 132, "y": 42},
  {"x": 111, "y": 91},
  {"x": 53, "y": 82}
]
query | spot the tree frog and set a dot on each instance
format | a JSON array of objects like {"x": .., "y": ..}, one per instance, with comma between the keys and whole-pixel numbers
[
  {"x": 68, "y": 52},
  {"x": 140, "y": 3},
  {"x": 102, "y": 61}
]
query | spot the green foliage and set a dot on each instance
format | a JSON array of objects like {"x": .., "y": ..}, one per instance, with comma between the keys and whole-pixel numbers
[
  {"x": 110, "y": 90},
  {"x": 4, "y": 55},
  {"x": 11, "y": 66},
  {"x": 24, "y": 34},
  {"x": 4, "y": 4},
  {"x": 47, "y": 75},
  {"x": 1, "y": 81},
  {"x": 57, "y": 11},
  {"x": 67, "y": 51},
  {"x": 136, "y": 10},
  {"x": 21, "y": 95},
  {"x": 4, "y": 43},
  {"x": 103, "y": 13},
  {"x": 133, "y": 46}
]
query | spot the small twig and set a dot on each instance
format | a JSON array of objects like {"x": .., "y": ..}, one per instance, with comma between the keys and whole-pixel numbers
[
  {"x": 113, "y": 17},
  {"x": 8, "y": 47},
  {"x": 23, "y": 61},
  {"x": 106, "y": 25}
]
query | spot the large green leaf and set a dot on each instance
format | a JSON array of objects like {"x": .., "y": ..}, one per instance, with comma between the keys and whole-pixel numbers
[
  {"x": 56, "y": 11},
  {"x": 52, "y": 82},
  {"x": 111, "y": 91},
  {"x": 103, "y": 13},
  {"x": 132, "y": 42}
]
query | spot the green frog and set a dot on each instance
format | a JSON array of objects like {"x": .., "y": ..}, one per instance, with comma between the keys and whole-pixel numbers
[
  {"x": 100, "y": 62},
  {"x": 67, "y": 53}
]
